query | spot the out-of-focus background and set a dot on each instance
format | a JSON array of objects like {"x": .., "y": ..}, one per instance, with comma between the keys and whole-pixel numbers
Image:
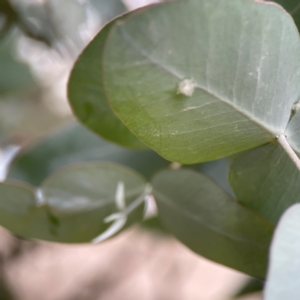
[{"x": 39, "y": 42}]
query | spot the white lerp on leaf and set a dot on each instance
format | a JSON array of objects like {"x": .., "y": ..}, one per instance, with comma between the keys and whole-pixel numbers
[{"x": 187, "y": 87}]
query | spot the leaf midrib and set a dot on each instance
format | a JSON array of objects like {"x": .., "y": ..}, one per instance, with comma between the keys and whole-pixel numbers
[
  {"x": 180, "y": 77},
  {"x": 205, "y": 225}
]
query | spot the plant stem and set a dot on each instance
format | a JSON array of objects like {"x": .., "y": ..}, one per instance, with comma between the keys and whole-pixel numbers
[
  {"x": 137, "y": 202},
  {"x": 289, "y": 150},
  {"x": 120, "y": 218}
]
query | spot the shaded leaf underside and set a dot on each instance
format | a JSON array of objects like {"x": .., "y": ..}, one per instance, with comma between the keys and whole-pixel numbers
[
  {"x": 210, "y": 222},
  {"x": 71, "y": 205}
]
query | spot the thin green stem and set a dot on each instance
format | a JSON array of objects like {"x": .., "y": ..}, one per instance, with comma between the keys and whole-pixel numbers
[{"x": 289, "y": 150}]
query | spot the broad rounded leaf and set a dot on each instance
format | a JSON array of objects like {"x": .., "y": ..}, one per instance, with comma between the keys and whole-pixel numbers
[
  {"x": 71, "y": 144},
  {"x": 197, "y": 80},
  {"x": 210, "y": 222},
  {"x": 87, "y": 97},
  {"x": 71, "y": 205},
  {"x": 265, "y": 180},
  {"x": 283, "y": 281}
]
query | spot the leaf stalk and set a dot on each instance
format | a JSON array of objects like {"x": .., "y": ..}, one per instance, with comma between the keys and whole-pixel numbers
[{"x": 288, "y": 149}]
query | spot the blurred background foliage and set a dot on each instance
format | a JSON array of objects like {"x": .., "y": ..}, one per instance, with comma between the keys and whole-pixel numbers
[{"x": 39, "y": 42}]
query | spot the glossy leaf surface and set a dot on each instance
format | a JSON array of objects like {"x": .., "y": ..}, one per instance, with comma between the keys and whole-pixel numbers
[
  {"x": 71, "y": 205},
  {"x": 198, "y": 90},
  {"x": 283, "y": 280},
  {"x": 265, "y": 180},
  {"x": 71, "y": 144},
  {"x": 210, "y": 222}
]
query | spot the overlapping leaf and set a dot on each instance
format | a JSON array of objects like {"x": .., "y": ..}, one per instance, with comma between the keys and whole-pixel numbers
[
  {"x": 87, "y": 97},
  {"x": 210, "y": 222},
  {"x": 71, "y": 205},
  {"x": 221, "y": 83}
]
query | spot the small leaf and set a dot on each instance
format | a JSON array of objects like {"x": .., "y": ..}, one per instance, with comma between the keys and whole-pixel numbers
[
  {"x": 283, "y": 281},
  {"x": 265, "y": 180},
  {"x": 87, "y": 97},
  {"x": 210, "y": 222},
  {"x": 72, "y": 144},
  {"x": 71, "y": 205},
  {"x": 194, "y": 79}
]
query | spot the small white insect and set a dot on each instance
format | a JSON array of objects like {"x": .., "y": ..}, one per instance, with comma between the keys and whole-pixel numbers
[{"x": 186, "y": 87}]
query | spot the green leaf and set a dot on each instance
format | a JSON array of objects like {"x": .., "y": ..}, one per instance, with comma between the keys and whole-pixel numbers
[
  {"x": 71, "y": 205},
  {"x": 284, "y": 269},
  {"x": 293, "y": 7},
  {"x": 87, "y": 97},
  {"x": 265, "y": 180},
  {"x": 71, "y": 144},
  {"x": 197, "y": 80},
  {"x": 210, "y": 222}
]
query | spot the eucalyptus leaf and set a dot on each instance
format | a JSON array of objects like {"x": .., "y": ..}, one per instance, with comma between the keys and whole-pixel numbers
[
  {"x": 71, "y": 205},
  {"x": 88, "y": 100},
  {"x": 283, "y": 281},
  {"x": 265, "y": 180},
  {"x": 73, "y": 143},
  {"x": 210, "y": 222},
  {"x": 197, "y": 80}
]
